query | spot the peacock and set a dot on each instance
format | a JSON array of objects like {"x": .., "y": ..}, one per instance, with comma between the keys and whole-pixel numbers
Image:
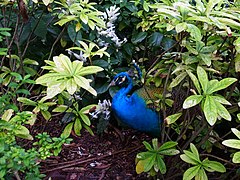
[{"x": 130, "y": 107}]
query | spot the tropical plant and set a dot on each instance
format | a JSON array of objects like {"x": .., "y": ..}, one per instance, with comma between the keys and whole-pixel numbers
[
  {"x": 200, "y": 167},
  {"x": 153, "y": 160},
  {"x": 66, "y": 75}
]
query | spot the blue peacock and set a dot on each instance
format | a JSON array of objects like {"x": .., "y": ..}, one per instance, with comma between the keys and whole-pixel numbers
[{"x": 131, "y": 109}]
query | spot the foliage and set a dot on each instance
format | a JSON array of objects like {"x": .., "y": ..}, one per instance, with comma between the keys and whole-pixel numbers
[
  {"x": 14, "y": 158},
  {"x": 68, "y": 75},
  {"x": 79, "y": 116},
  {"x": 48, "y": 146},
  {"x": 234, "y": 143},
  {"x": 4, "y": 32},
  {"x": 40, "y": 106},
  {"x": 211, "y": 103},
  {"x": 200, "y": 167},
  {"x": 188, "y": 48},
  {"x": 153, "y": 160}
]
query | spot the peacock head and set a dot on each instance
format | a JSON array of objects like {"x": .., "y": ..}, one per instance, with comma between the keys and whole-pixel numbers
[{"x": 122, "y": 79}]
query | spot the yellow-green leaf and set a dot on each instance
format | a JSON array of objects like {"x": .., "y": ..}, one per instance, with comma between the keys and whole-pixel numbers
[
  {"x": 140, "y": 167},
  {"x": 191, "y": 101},
  {"x": 7, "y": 114},
  {"x": 203, "y": 78},
  {"x": 236, "y": 157},
  {"x": 172, "y": 118},
  {"x": 191, "y": 172},
  {"x": 210, "y": 110},
  {"x": 77, "y": 127},
  {"x": 67, "y": 130}
]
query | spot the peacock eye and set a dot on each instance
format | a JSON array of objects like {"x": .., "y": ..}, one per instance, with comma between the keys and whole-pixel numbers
[{"x": 121, "y": 79}]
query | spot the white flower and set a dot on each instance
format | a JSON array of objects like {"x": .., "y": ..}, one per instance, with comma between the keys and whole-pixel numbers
[
  {"x": 78, "y": 56},
  {"x": 110, "y": 16},
  {"x": 103, "y": 110}
]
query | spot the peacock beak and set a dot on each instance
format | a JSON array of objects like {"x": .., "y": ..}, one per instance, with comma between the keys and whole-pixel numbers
[{"x": 113, "y": 83}]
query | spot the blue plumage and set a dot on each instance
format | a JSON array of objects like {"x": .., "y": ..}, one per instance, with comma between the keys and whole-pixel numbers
[{"x": 131, "y": 109}]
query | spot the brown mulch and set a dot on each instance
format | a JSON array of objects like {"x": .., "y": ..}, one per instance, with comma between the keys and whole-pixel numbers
[{"x": 109, "y": 156}]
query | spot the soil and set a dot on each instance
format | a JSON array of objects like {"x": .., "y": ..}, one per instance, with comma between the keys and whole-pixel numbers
[{"x": 109, "y": 156}]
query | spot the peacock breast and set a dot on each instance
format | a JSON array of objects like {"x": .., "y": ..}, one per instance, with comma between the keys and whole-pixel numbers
[{"x": 132, "y": 111}]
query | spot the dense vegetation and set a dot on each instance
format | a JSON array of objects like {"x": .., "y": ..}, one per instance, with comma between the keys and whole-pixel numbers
[{"x": 58, "y": 57}]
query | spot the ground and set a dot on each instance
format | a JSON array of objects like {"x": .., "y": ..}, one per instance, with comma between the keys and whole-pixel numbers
[{"x": 109, "y": 156}]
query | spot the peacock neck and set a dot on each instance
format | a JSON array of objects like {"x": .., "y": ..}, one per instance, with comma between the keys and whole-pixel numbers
[{"x": 124, "y": 91}]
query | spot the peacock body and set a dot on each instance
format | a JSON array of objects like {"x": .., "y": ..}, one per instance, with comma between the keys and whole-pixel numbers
[{"x": 131, "y": 109}]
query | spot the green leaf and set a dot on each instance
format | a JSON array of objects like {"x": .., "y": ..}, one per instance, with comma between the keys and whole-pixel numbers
[
  {"x": 191, "y": 155},
  {"x": 67, "y": 130},
  {"x": 22, "y": 91},
  {"x": 236, "y": 157},
  {"x": 229, "y": 22},
  {"x": 39, "y": 27},
  {"x": 55, "y": 89},
  {"x": 149, "y": 162},
  {"x": 84, "y": 18},
  {"x": 236, "y": 132},
  {"x": 167, "y": 145},
  {"x": 155, "y": 144},
  {"x": 201, "y": 175},
  {"x": 26, "y": 101},
  {"x": 17, "y": 76},
  {"x": 145, "y": 6},
  {"x": 194, "y": 32},
  {"x": 237, "y": 61},
  {"x": 73, "y": 35},
  {"x": 203, "y": 78},
  {"x": 207, "y": 58},
  {"x": 155, "y": 39},
  {"x": 60, "y": 108},
  {"x": 222, "y": 111},
  {"x": 224, "y": 83},
  {"x": 7, "y": 114},
  {"x": 89, "y": 70},
  {"x": 86, "y": 109},
  {"x": 147, "y": 146},
  {"x": 221, "y": 100},
  {"x": 144, "y": 155},
  {"x": 77, "y": 127},
  {"x": 161, "y": 165},
  {"x": 195, "y": 81},
  {"x": 191, "y": 172},
  {"x": 178, "y": 79},
  {"x": 181, "y": 27},
  {"x": 138, "y": 37},
  {"x": 191, "y": 101},
  {"x": 169, "y": 152},
  {"x": 214, "y": 165},
  {"x": 194, "y": 151},
  {"x": 172, "y": 118},
  {"x": 47, "y": 115},
  {"x": 84, "y": 83},
  {"x": 88, "y": 129},
  {"x": 23, "y": 132},
  {"x": 233, "y": 143},
  {"x": 210, "y": 6},
  {"x": 85, "y": 119},
  {"x": 30, "y": 62},
  {"x": 210, "y": 110},
  {"x": 71, "y": 86},
  {"x": 46, "y": 2}
]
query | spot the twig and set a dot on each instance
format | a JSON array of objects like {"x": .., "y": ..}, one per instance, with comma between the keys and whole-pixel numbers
[
  {"x": 78, "y": 162},
  {"x": 17, "y": 175},
  {"x": 55, "y": 42}
]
